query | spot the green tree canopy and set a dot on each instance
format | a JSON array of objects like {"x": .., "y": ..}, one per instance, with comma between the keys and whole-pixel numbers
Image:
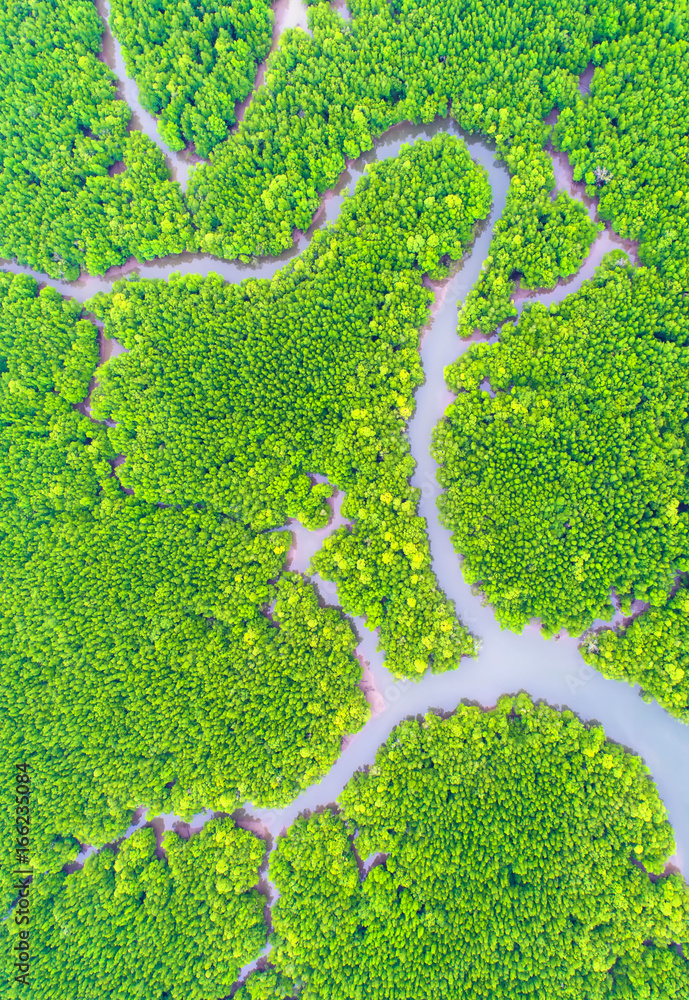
[
  {"x": 565, "y": 474},
  {"x": 61, "y": 130},
  {"x": 629, "y": 137},
  {"x": 500, "y": 65},
  {"x": 131, "y": 923},
  {"x": 193, "y": 61},
  {"x": 652, "y": 651},
  {"x": 540, "y": 237},
  {"x": 234, "y": 395},
  {"x": 513, "y": 850},
  {"x": 138, "y": 663}
]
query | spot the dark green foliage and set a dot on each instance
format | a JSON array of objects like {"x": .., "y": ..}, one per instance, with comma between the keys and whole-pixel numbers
[
  {"x": 653, "y": 652},
  {"x": 629, "y": 139},
  {"x": 61, "y": 129},
  {"x": 130, "y": 924},
  {"x": 234, "y": 395},
  {"x": 569, "y": 481},
  {"x": 512, "y": 843},
  {"x": 193, "y": 60},
  {"x": 539, "y": 237},
  {"x": 503, "y": 65},
  {"x": 137, "y": 665}
]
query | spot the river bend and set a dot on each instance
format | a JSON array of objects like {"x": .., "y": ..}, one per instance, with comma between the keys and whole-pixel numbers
[{"x": 547, "y": 669}]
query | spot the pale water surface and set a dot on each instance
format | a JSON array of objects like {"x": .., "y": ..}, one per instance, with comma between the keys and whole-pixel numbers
[
  {"x": 547, "y": 669},
  {"x": 552, "y": 670}
]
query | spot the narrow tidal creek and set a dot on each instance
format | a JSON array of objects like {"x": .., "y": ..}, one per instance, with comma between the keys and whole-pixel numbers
[{"x": 551, "y": 670}]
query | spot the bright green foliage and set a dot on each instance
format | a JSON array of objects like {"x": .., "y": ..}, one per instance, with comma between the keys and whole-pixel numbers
[
  {"x": 134, "y": 647},
  {"x": 130, "y": 924},
  {"x": 629, "y": 139},
  {"x": 233, "y": 395},
  {"x": 47, "y": 357},
  {"x": 193, "y": 60},
  {"x": 568, "y": 481},
  {"x": 653, "y": 652},
  {"x": 503, "y": 65},
  {"x": 537, "y": 237},
  {"x": 61, "y": 128},
  {"x": 44, "y": 346},
  {"x": 266, "y": 985},
  {"x": 651, "y": 974},
  {"x": 136, "y": 654},
  {"x": 510, "y": 844}
]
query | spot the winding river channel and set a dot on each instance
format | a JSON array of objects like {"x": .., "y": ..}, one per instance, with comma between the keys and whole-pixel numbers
[{"x": 551, "y": 670}]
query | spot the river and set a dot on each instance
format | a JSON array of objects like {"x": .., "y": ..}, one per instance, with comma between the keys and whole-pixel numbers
[
  {"x": 547, "y": 669},
  {"x": 552, "y": 670}
]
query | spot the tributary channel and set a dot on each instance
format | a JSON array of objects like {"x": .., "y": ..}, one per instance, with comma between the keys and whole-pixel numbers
[{"x": 551, "y": 670}]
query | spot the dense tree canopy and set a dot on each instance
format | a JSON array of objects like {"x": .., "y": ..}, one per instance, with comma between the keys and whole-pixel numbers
[
  {"x": 565, "y": 474},
  {"x": 502, "y": 66},
  {"x": 51, "y": 457},
  {"x": 152, "y": 649},
  {"x": 513, "y": 851},
  {"x": 265, "y": 985},
  {"x": 653, "y": 651},
  {"x": 61, "y": 129},
  {"x": 540, "y": 237},
  {"x": 193, "y": 60},
  {"x": 629, "y": 138},
  {"x": 233, "y": 395},
  {"x": 137, "y": 664},
  {"x": 132, "y": 924},
  {"x": 136, "y": 655}
]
